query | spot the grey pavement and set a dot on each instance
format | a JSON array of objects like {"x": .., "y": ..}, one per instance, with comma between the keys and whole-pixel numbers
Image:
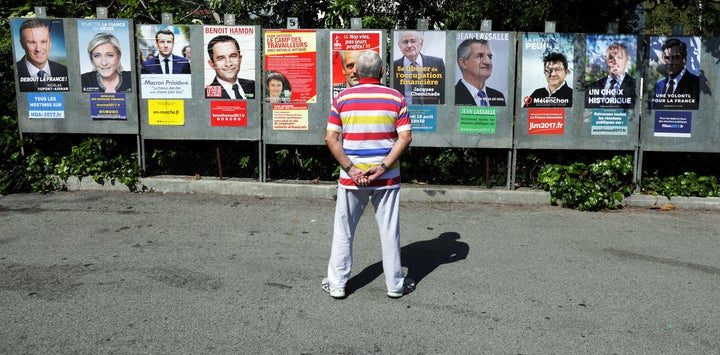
[{"x": 189, "y": 270}]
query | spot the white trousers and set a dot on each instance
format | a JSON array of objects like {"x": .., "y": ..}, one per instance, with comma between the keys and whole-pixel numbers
[{"x": 348, "y": 210}]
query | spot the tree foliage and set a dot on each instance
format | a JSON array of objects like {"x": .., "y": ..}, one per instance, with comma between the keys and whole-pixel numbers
[{"x": 699, "y": 17}]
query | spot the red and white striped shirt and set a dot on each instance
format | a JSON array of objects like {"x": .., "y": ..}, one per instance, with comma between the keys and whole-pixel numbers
[{"x": 369, "y": 117}]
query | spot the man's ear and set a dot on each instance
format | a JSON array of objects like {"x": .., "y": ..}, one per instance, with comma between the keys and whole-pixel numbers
[{"x": 461, "y": 63}]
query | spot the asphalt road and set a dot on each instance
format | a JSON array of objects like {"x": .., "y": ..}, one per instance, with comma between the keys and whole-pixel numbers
[{"x": 116, "y": 272}]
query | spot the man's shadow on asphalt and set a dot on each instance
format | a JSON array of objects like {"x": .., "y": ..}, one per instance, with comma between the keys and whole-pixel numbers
[{"x": 420, "y": 258}]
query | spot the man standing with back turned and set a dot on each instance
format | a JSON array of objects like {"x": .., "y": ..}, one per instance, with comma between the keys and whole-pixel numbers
[{"x": 376, "y": 130}]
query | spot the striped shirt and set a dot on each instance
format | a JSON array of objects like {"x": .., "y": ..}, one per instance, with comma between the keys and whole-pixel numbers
[{"x": 369, "y": 117}]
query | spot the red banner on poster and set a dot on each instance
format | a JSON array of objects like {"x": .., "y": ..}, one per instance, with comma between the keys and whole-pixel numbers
[
  {"x": 546, "y": 121},
  {"x": 228, "y": 113}
]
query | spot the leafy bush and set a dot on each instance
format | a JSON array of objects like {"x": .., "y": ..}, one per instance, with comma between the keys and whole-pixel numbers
[
  {"x": 100, "y": 158},
  {"x": 687, "y": 184},
  {"x": 12, "y": 168},
  {"x": 455, "y": 166},
  {"x": 598, "y": 186}
]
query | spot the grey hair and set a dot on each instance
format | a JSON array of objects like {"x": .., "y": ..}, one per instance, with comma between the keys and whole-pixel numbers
[
  {"x": 463, "y": 50},
  {"x": 370, "y": 65}
]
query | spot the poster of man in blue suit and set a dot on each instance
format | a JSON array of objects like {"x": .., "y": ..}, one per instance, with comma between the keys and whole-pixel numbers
[
  {"x": 677, "y": 79},
  {"x": 165, "y": 61}
]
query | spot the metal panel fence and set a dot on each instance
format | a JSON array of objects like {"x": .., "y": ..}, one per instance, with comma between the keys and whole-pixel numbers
[{"x": 465, "y": 89}]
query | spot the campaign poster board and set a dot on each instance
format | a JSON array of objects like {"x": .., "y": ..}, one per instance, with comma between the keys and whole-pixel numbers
[
  {"x": 555, "y": 88},
  {"x": 104, "y": 53},
  {"x": 673, "y": 84},
  {"x": 229, "y": 72},
  {"x": 290, "y": 80},
  {"x": 481, "y": 85},
  {"x": 308, "y": 56},
  {"x": 458, "y": 122},
  {"x": 62, "y": 100},
  {"x": 209, "y": 109},
  {"x": 681, "y": 116}
]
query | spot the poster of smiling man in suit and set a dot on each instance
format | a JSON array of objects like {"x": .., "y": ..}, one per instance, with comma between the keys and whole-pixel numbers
[
  {"x": 479, "y": 55},
  {"x": 40, "y": 64}
]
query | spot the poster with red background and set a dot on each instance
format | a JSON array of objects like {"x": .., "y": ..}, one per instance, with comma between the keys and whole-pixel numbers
[
  {"x": 293, "y": 54},
  {"x": 349, "y": 44}
]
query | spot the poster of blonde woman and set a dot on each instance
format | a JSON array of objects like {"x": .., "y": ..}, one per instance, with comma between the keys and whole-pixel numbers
[{"x": 105, "y": 58}]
